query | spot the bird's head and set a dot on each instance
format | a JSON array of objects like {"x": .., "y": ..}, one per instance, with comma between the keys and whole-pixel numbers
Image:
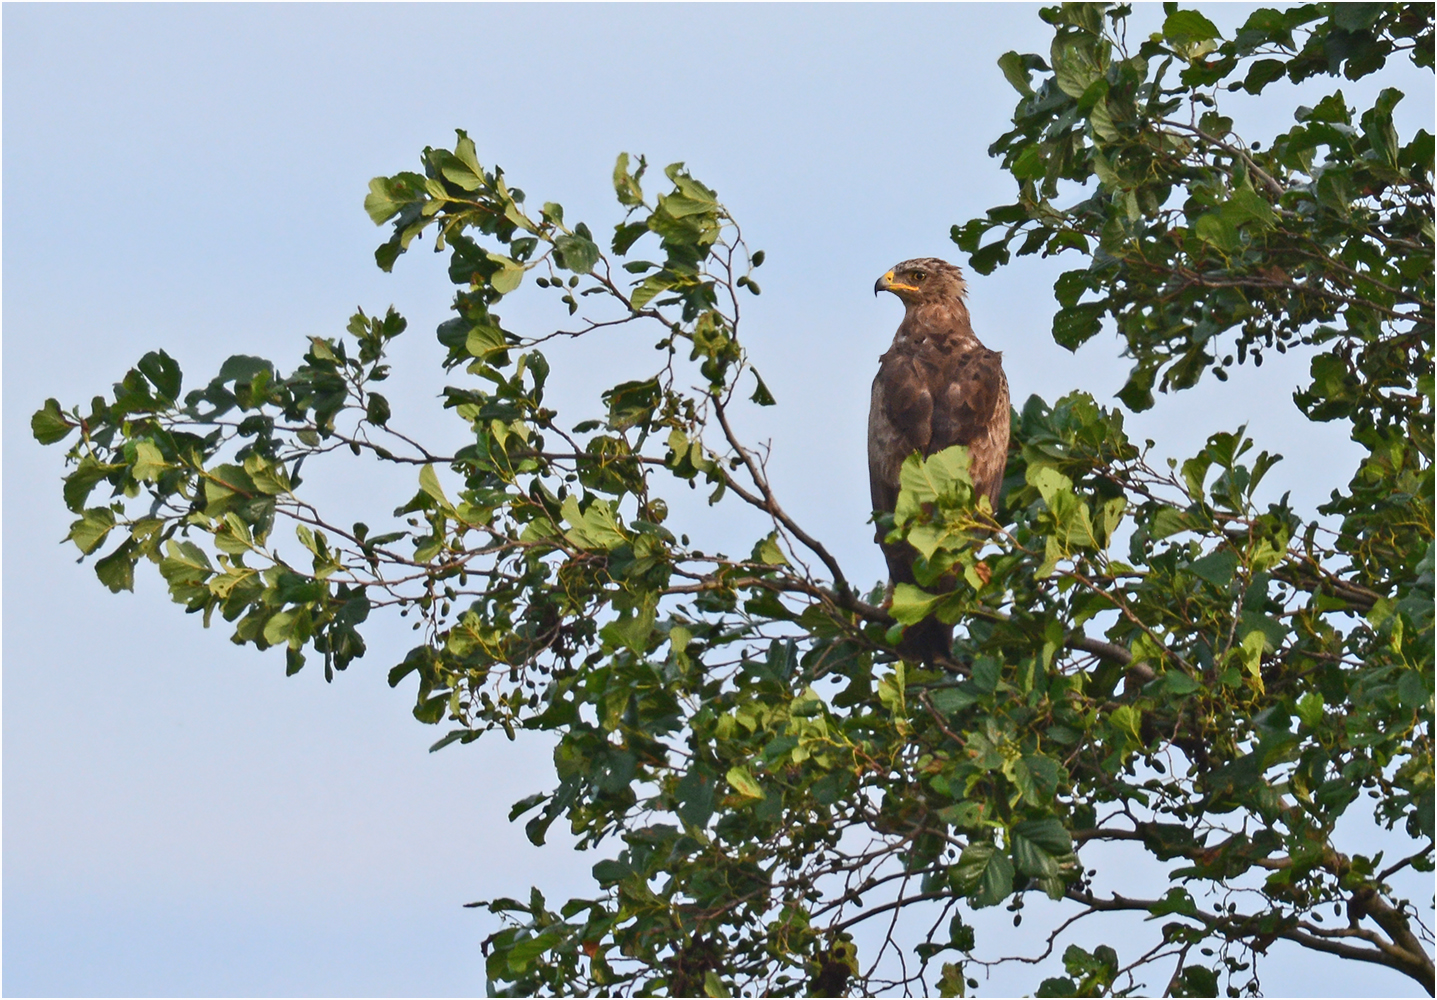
[{"x": 923, "y": 280}]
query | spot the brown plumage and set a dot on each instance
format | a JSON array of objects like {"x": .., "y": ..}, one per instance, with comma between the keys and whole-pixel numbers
[{"x": 937, "y": 386}]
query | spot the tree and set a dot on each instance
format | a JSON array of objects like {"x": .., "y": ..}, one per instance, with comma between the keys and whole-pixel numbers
[{"x": 1146, "y": 655}]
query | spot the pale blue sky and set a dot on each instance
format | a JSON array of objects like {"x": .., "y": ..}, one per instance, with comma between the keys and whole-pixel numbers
[{"x": 180, "y": 818}]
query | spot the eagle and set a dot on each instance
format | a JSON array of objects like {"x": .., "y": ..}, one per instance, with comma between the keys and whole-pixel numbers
[{"x": 937, "y": 386}]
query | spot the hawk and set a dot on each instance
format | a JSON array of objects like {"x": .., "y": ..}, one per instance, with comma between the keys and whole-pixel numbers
[{"x": 937, "y": 386}]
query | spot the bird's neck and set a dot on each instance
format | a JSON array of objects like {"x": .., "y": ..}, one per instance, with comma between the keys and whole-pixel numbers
[{"x": 946, "y": 321}]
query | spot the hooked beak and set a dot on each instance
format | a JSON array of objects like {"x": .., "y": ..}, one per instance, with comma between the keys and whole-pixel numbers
[{"x": 887, "y": 284}]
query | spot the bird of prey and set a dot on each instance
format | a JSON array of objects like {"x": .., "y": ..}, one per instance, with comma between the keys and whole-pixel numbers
[{"x": 937, "y": 386}]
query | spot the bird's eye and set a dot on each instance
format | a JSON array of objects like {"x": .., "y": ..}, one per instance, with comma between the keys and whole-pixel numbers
[{"x": 918, "y": 275}]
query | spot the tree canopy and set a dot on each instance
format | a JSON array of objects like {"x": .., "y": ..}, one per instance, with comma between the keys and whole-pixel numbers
[{"x": 1146, "y": 653}]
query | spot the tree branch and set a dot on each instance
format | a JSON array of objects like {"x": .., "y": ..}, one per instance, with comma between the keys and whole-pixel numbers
[
  {"x": 770, "y": 503},
  {"x": 1398, "y": 955}
]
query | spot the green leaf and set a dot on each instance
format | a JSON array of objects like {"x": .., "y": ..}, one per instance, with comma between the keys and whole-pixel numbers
[
  {"x": 117, "y": 570},
  {"x": 1180, "y": 683},
  {"x": 509, "y": 275},
  {"x": 269, "y": 478},
  {"x": 224, "y": 485},
  {"x": 1311, "y": 709},
  {"x": 1072, "y": 520},
  {"x": 761, "y": 395},
  {"x": 1078, "y": 60},
  {"x": 1177, "y": 900},
  {"x": 80, "y": 483},
  {"x": 525, "y": 804},
  {"x": 431, "y": 710},
  {"x": 987, "y": 259},
  {"x": 1052, "y": 485},
  {"x": 1356, "y": 16},
  {"x": 1253, "y": 645},
  {"x": 279, "y": 627},
  {"x": 530, "y": 948},
  {"x": 1047, "y": 834},
  {"x": 1413, "y": 690},
  {"x": 376, "y": 409},
  {"x": 49, "y": 425},
  {"x": 1076, "y": 325},
  {"x": 1101, "y": 118},
  {"x": 483, "y": 340},
  {"x": 911, "y": 604},
  {"x": 1273, "y": 630},
  {"x": 1137, "y": 393},
  {"x": 1059, "y": 986},
  {"x": 462, "y": 175},
  {"x": 1217, "y": 568},
  {"x": 465, "y": 152},
  {"x": 595, "y": 528},
  {"x": 626, "y": 234},
  {"x": 580, "y": 254},
  {"x": 1127, "y": 720},
  {"x": 952, "y": 983},
  {"x": 163, "y": 372},
  {"x": 1217, "y": 228},
  {"x": 941, "y": 476},
  {"x": 1033, "y": 860},
  {"x": 1168, "y": 521},
  {"x": 1070, "y": 286},
  {"x": 713, "y": 985},
  {"x": 149, "y": 463},
  {"x": 1261, "y": 73},
  {"x": 387, "y": 253},
  {"x": 742, "y": 782},
  {"x": 429, "y": 483},
  {"x": 1185, "y": 28},
  {"x": 419, "y": 658},
  {"x": 766, "y": 551},
  {"x": 187, "y": 558},
  {"x": 650, "y": 288},
  {"x": 695, "y": 794},
  {"x": 90, "y": 531},
  {"x": 232, "y": 535},
  {"x": 1015, "y": 72},
  {"x": 626, "y": 185},
  {"x": 984, "y": 873},
  {"x": 632, "y": 404},
  {"x": 1196, "y": 980},
  {"x": 383, "y": 203},
  {"x": 1247, "y": 206}
]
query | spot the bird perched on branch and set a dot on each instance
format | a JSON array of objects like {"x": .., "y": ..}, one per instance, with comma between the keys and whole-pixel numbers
[{"x": 937, "y": 386}]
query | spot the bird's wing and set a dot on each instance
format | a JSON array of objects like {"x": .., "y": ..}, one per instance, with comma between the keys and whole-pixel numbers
[
  {"x": 888, "y": 445},
  {"x": 970, "y": 408},
  {"x": 900, "y": 417},
  {"x": 929, "y": 402}
]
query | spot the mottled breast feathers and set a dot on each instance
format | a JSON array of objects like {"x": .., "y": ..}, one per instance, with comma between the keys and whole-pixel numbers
[{"x": 930, "y": 397}]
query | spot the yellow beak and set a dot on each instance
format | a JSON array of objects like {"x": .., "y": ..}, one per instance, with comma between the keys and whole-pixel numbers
[{"x": 888, "y": 284}]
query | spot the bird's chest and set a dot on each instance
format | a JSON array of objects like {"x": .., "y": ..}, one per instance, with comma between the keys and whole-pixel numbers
[
  {"x": 914, "y": 369},
  {"x": 921, "y": 385}
]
